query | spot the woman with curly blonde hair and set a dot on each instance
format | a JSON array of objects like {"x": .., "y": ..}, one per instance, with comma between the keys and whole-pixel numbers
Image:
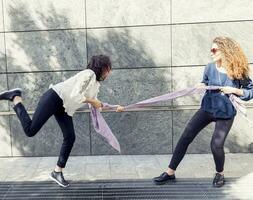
[{"x": 230, "y": 71}]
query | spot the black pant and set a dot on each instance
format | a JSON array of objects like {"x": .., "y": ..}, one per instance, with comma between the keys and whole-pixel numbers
[
  {"x": 200, "y": 120},
  {"x": 49, "y": 104}
]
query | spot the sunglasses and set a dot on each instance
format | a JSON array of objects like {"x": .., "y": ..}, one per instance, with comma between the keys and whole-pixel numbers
[{"x": 214, "y": 50}]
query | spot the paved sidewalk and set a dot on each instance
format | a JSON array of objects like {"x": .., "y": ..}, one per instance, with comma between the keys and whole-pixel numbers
[
  {"x": 87, "y": 168},
  {"x": 125, "y": 177}
]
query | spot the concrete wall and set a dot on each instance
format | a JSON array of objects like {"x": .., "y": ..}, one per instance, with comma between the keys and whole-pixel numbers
[{"x": 156, "y": 46}]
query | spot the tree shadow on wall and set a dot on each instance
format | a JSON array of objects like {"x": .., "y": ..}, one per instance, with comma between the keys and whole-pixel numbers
[
  {"x": 51, "y": 56},
  {"x": 38, "y": 58}
]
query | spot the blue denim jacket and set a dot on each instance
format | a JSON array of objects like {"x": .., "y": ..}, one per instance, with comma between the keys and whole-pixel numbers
[{"x": 218, "y": 103}]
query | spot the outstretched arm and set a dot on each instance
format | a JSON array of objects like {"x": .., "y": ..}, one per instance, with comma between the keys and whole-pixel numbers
[
  {"x": 94, "y": 102},
  {"x": 245, "y": 92},
  {"x": 232, "y": 90}
]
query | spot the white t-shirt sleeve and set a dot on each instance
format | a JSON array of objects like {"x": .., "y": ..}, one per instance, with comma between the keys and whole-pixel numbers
[{"x": 83, "y": 80}]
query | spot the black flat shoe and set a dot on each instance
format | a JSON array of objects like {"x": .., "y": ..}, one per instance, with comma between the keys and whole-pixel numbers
[
  {"x": 164, "y": 178},
  {"x": 218, "y": 180},
  {"x": 59, "y": 179},
  {"x": 10, "y": 94}
]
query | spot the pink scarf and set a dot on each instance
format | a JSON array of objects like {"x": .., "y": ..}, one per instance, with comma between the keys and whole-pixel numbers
[{"x": 103, "y": 129}]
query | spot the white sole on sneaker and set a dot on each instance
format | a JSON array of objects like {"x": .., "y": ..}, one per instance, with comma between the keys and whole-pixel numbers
[
  {"x": 52, "y": 178},
  {"x": 11, "y": 90}
]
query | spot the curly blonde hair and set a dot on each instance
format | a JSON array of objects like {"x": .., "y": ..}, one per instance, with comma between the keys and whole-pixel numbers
[{"x": 235, "y": 60}]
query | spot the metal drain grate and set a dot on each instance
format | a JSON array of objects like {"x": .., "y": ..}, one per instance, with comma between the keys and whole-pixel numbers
[{"x": 119, "y": 189}]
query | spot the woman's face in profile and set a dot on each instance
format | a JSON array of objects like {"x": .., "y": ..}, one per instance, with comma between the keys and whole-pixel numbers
[
  {"x": 216, "y": 54},
  {"x": 105, "y": 75}
]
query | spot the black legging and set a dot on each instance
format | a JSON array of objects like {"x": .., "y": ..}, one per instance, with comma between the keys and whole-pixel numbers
[
  {"x": 200, "y": 120},
  {"x": 49, "y": 104}
]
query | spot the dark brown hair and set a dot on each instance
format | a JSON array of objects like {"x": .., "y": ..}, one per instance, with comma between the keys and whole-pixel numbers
[{"x": 99, "y": 64}]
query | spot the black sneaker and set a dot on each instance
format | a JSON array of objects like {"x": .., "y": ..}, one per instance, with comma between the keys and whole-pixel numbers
[
  {"x": 218, "y": 180},
  {"x": 10, "y": 94},
  {"x": 59, "y": 179},
  {"x": 164, "y": 178}
]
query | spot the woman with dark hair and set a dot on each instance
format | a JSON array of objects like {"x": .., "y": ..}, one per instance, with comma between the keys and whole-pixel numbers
[
  {"x": 230, "y": 71},
  {"x": 62, "y": 100}
]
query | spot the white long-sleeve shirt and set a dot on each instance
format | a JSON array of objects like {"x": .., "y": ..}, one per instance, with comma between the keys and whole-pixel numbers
[{"x": 76, "y": 89}]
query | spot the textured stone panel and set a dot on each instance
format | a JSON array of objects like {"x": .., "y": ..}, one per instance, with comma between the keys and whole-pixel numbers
[
  {"x": 29, "y": 15},
  {"x": 138, "y": 133},
  {"x": 46, "y": 50},
  {"x": 104, "y": 13}
]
